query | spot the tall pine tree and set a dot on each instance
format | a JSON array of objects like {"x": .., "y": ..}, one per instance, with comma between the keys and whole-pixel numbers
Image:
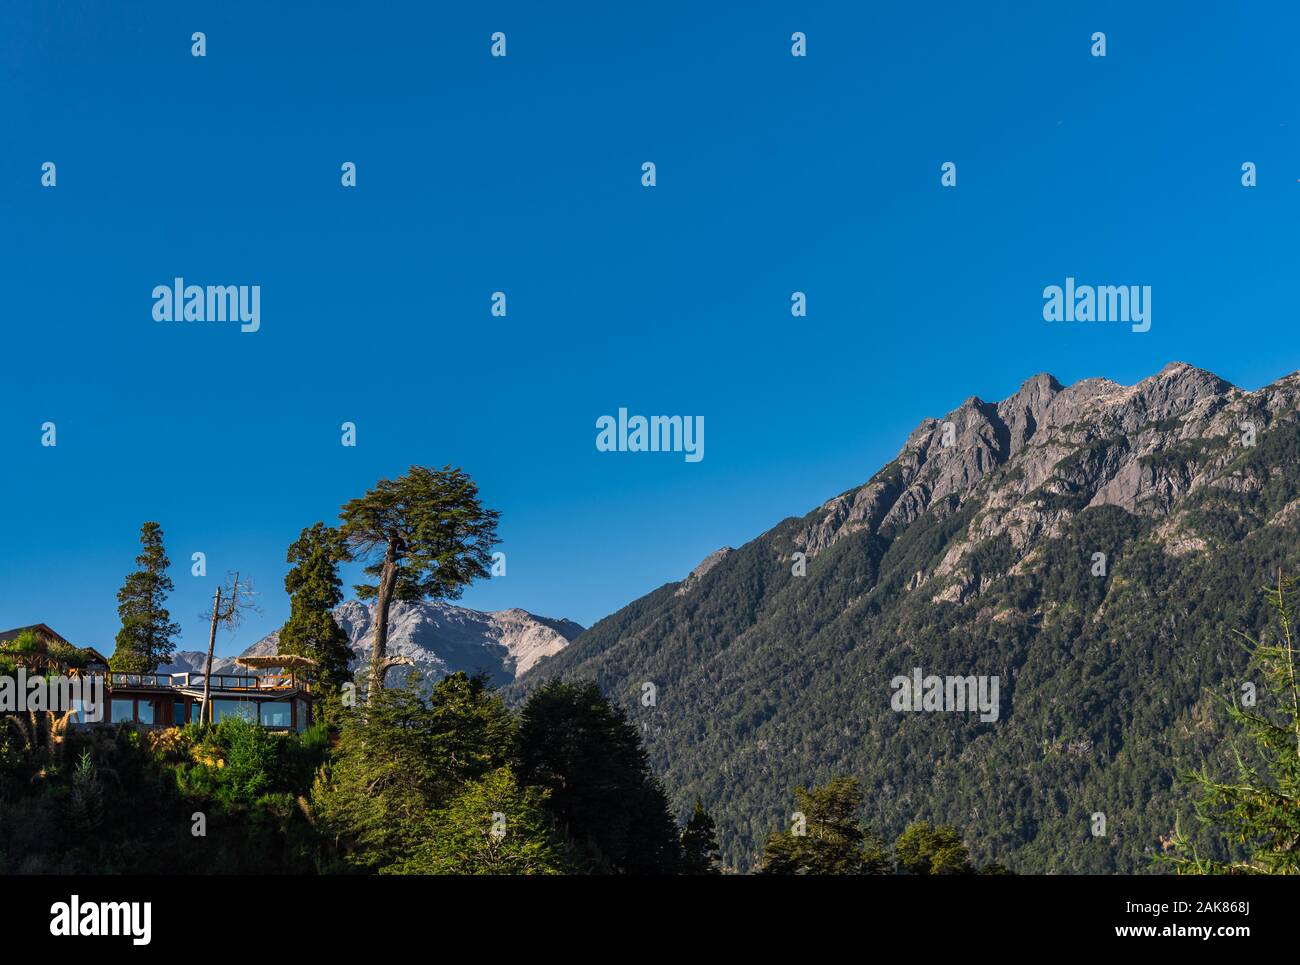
[
  {"x": 826, "y": 837},
  {"x": 315, "y": 590},
  {"x": 145, "y": 639},
  {"x": 924, "y": 849},
  {"x": 575, "y": 743},
  {"x": 424, "y": 535}
]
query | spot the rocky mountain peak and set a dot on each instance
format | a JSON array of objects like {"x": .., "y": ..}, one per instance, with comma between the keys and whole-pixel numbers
[
  {"x": 1023, "y": 411},
  {"x": 438, "y": 638},
  {"x": 1047, "y": 451}
]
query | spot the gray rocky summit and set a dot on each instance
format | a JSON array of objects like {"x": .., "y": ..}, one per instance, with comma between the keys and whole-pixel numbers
[
  {"x": 438, "y": 639},
  {"x": 1037, "y": 458}
]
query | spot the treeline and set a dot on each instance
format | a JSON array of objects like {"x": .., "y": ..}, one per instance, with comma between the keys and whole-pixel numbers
[
  {"x": 451, "y": 783},
  {"x": 457, "y": 784},
  {"x": 454, "y": 783},
  {"x": 827, "y": 837},
  {"x": 221, "y": 799}
]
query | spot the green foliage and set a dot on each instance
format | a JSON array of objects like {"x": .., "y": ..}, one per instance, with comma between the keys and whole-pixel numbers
[
  {"x": 1257, "y": 810},
  {"x": 429, "y": 525},
  {"x": 700, "y": 843},
  {"x": 425, "y": 535},
  {"x": 493, "y": 826},
  {"x": 924, "y": 849},
  {"x": 580, "y": 747},
  {"x": 25, "y": 643},
  {"x": 115, "y": 800},
  {"x": 412, "y": 787},
  {"x": 145, "y": 639},
  {"x": 36, "y": 653},
  {"x": 401, "y": 758},
  {"x": 826, "y": 837},
  {"x": 85, "y": 795},
  {"x": 1070, "y": 487},
  {"x": 1183, "y": 455},
  {"x": 311, "y": 631},
  {"x": 252, "y": 758},
  {"x": 1104, "y": 680}
]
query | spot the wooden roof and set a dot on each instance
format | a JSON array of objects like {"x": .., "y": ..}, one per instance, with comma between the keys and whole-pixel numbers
[
  {"x": 44, "y": 631},
  {"x": 40, "y": 629}
]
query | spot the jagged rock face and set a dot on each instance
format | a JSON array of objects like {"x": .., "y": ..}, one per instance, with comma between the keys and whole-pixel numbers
[
  {"x": 700, "y": 571},
  {"x": 1036, "y": 459},
  {"x": 438, "y": 638}
]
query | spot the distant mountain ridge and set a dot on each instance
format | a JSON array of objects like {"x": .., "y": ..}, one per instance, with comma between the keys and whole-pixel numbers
[
  {"x": 1092, "y": 545},
  {"x": 192, "y": 661},
  {"x": 439, "y": 639}
]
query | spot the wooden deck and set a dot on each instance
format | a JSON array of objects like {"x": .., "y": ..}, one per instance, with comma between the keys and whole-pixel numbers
[{"x": 227, "y": 683}]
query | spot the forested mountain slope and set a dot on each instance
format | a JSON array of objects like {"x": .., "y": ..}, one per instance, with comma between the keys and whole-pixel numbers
[{"x": 974, "y": 552}]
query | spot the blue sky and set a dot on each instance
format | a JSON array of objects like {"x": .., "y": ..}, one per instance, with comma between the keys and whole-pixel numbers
[{"x": 522, "y": 174}]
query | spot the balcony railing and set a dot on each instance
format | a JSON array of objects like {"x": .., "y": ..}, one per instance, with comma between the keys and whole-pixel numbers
[{"x": 194, "y": 681}]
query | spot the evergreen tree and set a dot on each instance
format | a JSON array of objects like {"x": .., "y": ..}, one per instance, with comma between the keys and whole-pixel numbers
[
  {"x": 145, "y": 640},
  {"x": 700, "y": 843},
  {"x": 573, "y": 742},
  {"x": 923, "y": 849},
  {"x": 1258, "y": 812},
  {"x": 493, "y": 826},
  {"x": 315, "y": 590},
  {"x": 995, "y": 868},
  {"x": 404, "y": 758},
  {"x": 426, "y": 536},
  {"x": 826, "y": 837}
]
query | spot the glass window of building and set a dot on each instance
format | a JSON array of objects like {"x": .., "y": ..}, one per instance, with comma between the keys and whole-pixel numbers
[
  {"x": 276, "y": 713},
  {"x": 221, "y": 709}
]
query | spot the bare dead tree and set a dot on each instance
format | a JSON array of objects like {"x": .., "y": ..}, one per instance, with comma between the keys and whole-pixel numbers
[{"x": 229, "y": 604}]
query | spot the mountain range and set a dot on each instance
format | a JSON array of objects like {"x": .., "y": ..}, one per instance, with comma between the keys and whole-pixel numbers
[
  {"x": 438, "y": 638},
  {"x": 1091, "y": 546}
]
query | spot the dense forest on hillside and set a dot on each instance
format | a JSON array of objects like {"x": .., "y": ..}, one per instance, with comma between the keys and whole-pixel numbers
[
  {"x": 449, "y": 784},
  {"x": 453, "y": 784},
  {"x": 765, "y": 679}
]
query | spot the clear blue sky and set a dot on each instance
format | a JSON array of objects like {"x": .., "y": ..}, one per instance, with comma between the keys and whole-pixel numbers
[{"x": 522, "y": 174}]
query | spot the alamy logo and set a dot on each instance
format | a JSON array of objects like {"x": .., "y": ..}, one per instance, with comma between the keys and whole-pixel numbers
[
  {"x": 84, "y": 694},
  {"x": 180, "y": 302},
  {"x": 73, "y": 918},
  {"x": 1102, "y": 303},
  {"x": 918, "y": 693},
  {"x": 659, "y": 433}
]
